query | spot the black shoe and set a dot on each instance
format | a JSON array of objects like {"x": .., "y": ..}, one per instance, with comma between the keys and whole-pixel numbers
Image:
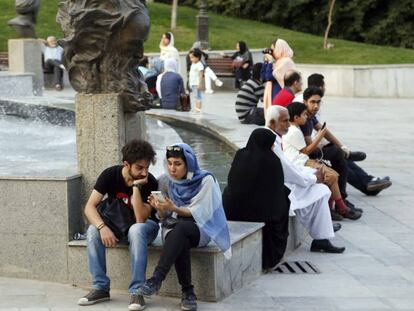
[
  {"x": 94, "y": 296},
  {"x": 379, "y": 184},
  {"x": 150, "y": 287},
  {"x": 189, "y": 301},
  {"x": 336, "y": 227},
  {"x": 136, "y": 303},
  {"x": 336, "y": 216},
  {"x": 352, "y": 207},
  {"x": 357, "y": 156},
  {"x": 325, "y": 246}
]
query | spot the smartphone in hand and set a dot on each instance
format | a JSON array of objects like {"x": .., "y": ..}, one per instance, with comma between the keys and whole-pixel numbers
[
  {"x": 159, "y": 196},
  {"x": 323, "y": 126}
]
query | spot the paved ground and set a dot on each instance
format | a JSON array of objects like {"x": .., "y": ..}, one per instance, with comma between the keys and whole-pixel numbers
[{"x": 375, "y": 273}]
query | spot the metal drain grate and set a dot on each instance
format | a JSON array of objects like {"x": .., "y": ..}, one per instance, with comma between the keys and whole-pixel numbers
[{"x": 296, "y": 267}]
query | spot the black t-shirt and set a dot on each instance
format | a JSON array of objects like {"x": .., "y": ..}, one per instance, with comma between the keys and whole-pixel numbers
[
  {"x": 308, "y": 127},
  {"x": 112, "y": 182}
]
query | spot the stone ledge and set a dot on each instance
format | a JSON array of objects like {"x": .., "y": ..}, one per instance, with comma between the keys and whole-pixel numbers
[{"x": 214, "y": 277}]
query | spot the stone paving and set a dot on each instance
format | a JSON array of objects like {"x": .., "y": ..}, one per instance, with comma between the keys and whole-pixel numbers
[{"x": 376, "y": 272}]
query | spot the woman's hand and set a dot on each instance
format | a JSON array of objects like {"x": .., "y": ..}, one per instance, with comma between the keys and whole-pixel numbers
[{"x": 167, "y": 206}]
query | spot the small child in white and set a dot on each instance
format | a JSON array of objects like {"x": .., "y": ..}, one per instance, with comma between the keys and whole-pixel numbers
[{"x": 196, "y": 79}]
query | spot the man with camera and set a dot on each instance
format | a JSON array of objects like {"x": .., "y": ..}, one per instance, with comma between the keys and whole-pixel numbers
[{"x": 130, "y": 184}]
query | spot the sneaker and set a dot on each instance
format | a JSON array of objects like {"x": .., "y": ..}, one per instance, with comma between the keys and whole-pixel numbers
[
  {"x": 189, "y": 301},
  {"x": 94, "y": 296},
  {"x": 150, "y": 287},
  {"x": 137, "y": 302},
  {"x": 209, "y": 91},
  {"x": 58, "y": 87},
  {"x": 218, "y": 82},
  {"x": 62, "y": 67}
]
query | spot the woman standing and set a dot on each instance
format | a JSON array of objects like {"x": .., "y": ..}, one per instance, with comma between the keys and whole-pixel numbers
[
  {"x": 168, "y": 50},
  {"x": 255, "y": 192},
  {"x": 191, "y": 216},
  {"x": 279, "y": 62}
]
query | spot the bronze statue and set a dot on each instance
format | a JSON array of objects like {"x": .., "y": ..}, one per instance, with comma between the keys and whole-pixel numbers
[
  {"x": 103, "y": 43},
  {"x": 24, "y": 23}
]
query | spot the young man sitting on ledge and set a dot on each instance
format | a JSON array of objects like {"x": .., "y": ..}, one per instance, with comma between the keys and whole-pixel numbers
[{"x": 132, "y": 183}]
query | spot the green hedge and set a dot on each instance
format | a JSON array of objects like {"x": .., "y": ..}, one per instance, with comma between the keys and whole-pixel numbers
[{"x": 381, "y": 22}]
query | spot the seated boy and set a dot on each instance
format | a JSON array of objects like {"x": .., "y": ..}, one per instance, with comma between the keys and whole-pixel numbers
[{"x": 296, "y": 150}]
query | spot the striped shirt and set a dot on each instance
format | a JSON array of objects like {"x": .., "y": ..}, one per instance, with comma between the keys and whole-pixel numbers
[{"x": 248, "y": 97}]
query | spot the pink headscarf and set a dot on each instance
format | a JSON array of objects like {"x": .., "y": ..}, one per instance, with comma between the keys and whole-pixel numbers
[
  {"x": 284, "y": 61},
  {"x": 282, "y": 49}
]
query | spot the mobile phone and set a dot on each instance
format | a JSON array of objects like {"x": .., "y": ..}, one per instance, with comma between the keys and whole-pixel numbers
[
  {"x": 323, "y": 126},
  {"x": 158, "y": 195}
]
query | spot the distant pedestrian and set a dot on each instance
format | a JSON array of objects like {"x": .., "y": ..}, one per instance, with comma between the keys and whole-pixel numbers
[
  {"x": 248, "y": 97},
  {"x": 196, "y": 79},
  {"x": 168, "y": 50},
  {"x": 52, "y": 54},
  {"x": 170, "y": 85}
]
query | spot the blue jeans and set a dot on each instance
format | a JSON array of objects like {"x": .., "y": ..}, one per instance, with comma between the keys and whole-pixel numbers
[{"x": 139, "y": 236}]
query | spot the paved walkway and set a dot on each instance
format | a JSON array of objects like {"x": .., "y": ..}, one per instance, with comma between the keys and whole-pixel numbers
[{"x": 375, "y": 273}]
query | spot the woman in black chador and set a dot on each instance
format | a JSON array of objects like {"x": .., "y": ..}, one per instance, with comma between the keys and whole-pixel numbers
[{"x": 255, "y": 192}]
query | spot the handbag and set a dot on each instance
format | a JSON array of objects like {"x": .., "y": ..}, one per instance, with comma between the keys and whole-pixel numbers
[
  {"x": 183, "y": 102},
  {"x": 117, "y": 216}
]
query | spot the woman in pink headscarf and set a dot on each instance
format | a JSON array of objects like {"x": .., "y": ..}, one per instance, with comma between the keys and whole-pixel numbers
[{"x": 282, "y": 53}]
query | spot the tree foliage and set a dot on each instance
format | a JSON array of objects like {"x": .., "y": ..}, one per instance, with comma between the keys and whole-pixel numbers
[{"x": 372, "y": 21}]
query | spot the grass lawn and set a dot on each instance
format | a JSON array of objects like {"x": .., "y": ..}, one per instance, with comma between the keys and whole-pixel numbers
[{"x": 224, "y": 32}]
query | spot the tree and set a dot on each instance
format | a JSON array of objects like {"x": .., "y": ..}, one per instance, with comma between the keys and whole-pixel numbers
[
  {"x": 174, "y": 14},
  {"x": 328, "y": 27}
]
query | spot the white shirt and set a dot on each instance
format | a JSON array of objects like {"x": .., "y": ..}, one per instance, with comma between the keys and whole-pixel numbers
[
  {"x": 194, "y": 78},
  {"x": 293, "y": 142},
  {"x": 52, "y": 52}
]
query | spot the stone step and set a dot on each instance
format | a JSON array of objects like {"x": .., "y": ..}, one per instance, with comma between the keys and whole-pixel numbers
[{"x": 214, "y": 277}]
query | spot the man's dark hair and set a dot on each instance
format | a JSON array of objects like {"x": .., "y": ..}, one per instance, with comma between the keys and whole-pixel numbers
[
  {"x": 310, "y": 91},
  {"x": 316, "y": 79},
  {"x": 257, "y": 68},
  {"x": 136, "y": 150},
  {"x": 291, "y": 78},
  {"x": 196, "y": 53},
  {"x": 295, "y": 109}
]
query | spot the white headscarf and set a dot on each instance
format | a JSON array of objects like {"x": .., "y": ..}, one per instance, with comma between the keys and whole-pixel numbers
[
  {"x": 169, "y": 51},
  {"x": 170, "y": 64}
]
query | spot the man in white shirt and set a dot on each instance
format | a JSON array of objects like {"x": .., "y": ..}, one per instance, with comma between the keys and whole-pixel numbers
[
  {"x": 308, "y": 197},
  {"x": 52, "y": 54}
]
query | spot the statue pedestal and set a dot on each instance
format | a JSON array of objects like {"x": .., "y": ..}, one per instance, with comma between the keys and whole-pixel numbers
[
  {"x": 25, "y": 56},
  {"x": 102, "y": 129}
]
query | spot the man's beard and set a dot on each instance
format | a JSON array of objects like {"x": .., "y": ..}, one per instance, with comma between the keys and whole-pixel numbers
[{"x": 135, "y": 177}]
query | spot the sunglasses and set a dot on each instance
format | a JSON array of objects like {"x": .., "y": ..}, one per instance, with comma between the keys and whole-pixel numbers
[{"x": 174, "y": 148}]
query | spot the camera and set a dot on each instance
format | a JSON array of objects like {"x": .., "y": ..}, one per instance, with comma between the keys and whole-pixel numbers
[{"x": 268, "y": 51}]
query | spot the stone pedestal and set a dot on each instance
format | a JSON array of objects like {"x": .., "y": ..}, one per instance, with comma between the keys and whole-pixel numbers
[
  {"x": 102, "y": 129},
  {"x": 25, "y": 56}
]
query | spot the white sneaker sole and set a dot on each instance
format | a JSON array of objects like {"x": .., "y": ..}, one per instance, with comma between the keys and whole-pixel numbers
[
  {"x": 135, "y": 307},
  {"x": 86, "y": 302}
]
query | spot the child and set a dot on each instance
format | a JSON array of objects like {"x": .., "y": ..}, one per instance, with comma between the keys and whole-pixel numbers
[
  {"x": 196, "y": 79},
  {"x": 296, "y": 150}
]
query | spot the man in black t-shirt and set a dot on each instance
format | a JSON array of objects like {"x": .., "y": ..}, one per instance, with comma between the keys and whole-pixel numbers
[{"x": 132, "y": 183}]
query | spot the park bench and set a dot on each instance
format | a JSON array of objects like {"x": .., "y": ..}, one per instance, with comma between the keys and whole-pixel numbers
[
  {"x": 213, "y": 276},
  {"x": 222, "y": 66},
  {"x": 4, "y": 60}
]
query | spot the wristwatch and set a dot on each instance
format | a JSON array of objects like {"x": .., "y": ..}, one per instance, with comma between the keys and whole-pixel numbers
[{"x": 137, "y": 185}]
